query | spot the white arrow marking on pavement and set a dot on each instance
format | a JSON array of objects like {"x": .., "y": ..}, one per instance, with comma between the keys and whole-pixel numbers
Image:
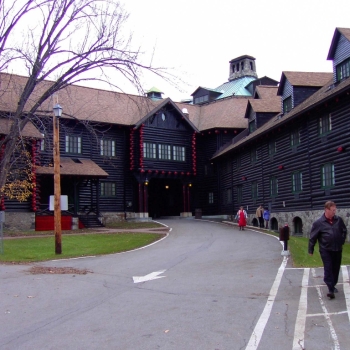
[{"x": 149, "y": 277}]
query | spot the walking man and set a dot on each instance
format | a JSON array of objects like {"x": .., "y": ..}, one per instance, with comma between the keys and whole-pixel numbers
[{"x": 330, "y": 232}]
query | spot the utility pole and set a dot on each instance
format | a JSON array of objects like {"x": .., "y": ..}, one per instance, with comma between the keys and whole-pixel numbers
[{"x": 57, "y": 109}]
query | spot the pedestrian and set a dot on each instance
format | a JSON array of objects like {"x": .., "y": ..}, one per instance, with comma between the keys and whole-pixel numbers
[
  {"x": 330, "y": 232},
  {"x": 259, "y": 215},
  {"x": 284, "y": 236},
  {"x": 242, "y": 218},
  {"x": 266, "y": 216}
]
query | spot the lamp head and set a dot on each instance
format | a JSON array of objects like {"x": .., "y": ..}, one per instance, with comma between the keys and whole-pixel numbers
[{"x": 57, "y": 110}]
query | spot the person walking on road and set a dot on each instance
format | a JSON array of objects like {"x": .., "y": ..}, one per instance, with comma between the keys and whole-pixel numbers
[
  {"x": 242, "y": 218},
  {"x": 330, "y": 232},
  {"x": 259, "y": 215}
]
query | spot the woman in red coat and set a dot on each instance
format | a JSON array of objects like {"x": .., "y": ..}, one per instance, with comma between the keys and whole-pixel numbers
[{"x": 242, "y": 218}]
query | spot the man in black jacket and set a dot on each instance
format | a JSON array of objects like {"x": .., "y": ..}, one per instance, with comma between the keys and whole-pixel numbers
[{"x": 330, "y": 232}]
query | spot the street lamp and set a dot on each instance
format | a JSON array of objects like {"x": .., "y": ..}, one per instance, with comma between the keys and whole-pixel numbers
[{"x": 57, "y": 110}]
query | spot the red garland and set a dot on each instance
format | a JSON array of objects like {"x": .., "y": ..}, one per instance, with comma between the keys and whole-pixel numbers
[{"x": 34, "y": 181}]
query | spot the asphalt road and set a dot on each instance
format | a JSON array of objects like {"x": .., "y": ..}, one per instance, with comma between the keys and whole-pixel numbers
[{"x": 214, "y": 288}]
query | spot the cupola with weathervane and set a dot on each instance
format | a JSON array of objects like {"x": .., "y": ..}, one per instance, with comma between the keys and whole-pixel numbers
[
  {"x": 154, "y": 94},
  {"x": 242, "y": 66}
]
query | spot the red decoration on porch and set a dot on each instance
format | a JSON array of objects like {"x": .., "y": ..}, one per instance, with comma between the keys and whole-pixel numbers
[
  {"x": 2, "y": 203},
  {"x": 340, "y": 149},
  {"x": 34, "y": 161}
]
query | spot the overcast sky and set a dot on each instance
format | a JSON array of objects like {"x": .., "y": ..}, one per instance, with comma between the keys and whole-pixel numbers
[{"x": 198, "y": 38}]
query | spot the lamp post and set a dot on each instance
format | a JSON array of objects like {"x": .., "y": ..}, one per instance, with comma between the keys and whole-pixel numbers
[{"x": 57, "y": 110}]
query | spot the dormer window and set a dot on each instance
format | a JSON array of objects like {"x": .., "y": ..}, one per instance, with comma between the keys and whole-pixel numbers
[
  {"x": 201, "y": 99},
  {"x": 343, "y": 70},
  {"x": 287, "y": 104}
]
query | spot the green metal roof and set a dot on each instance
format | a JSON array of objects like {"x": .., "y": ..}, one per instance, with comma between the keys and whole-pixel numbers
[{"x": 235, "y": 87}]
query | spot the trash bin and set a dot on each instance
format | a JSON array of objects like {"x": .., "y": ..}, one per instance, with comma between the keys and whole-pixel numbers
[{"x": 198, "y": 213}]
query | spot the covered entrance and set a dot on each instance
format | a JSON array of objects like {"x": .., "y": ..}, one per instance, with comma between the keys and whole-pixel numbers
[{"x": 165, "y": 197}]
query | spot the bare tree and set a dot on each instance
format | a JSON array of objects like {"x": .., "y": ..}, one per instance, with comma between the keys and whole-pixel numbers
[{"x": 70, "y": 41}]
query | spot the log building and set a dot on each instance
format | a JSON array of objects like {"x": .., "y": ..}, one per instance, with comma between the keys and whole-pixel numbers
[{"x": 250, "y": 141}]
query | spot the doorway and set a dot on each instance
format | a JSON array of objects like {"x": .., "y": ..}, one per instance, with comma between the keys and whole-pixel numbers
[{"x": 164, "y": 197}]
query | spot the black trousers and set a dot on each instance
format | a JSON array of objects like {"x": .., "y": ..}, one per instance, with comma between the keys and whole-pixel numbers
[
  {"x": 261, "y": 221},
  {"x": 331, "y": 263}
]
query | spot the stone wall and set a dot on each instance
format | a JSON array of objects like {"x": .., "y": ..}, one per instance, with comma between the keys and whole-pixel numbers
[
  {"x": 19, "y": 221},
  {"x": 307, "y": 218}
]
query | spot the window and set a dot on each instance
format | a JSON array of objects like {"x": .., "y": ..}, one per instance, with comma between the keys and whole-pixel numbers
[
  {"x": 343, "y": 69},
  {"x": 273, "y": 186},
  {"x": 327, "y": 175},
  {"x": 228, "y": 196},
  {"x": 253, "y": 155},
  {"x": 239, "y": 194},
  {"x": 238, "y": 161},
  {"x": 297, "y": 181},
  {"x": 42, "y": 143},
  {"x": 107, "y": 148},
  {"x": 272, "y": 147},
  {"x": 179, "y": 153},
  {"x": 287, "y": 104},
  {"x": 201, "y": 99},
  {"x": 295, "y": 138},
  {"x": 73, "y": 144},
  {"x": 255, "y": 190},
  {"x": 108, "y": 189},
  {"x": 325, "y": 124},
  {"x": 149, "y": 150},
  {"x": 211, "y": 197},
  {"x": 164, "y": 151},
  {"x": 252, "y": 126}
]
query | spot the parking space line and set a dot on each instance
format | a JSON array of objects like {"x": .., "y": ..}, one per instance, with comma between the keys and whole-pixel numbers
[
  {"x": 299, "y": 332},
  {"x": 264, "y": 317},
  {"x": 346, "y": 287},
  {"x": 326, "y": 315}
]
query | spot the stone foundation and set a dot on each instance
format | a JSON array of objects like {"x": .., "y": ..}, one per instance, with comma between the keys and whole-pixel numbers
[
  {"x": 19, "y": 221},
  {"x": 307, "y": 218}
]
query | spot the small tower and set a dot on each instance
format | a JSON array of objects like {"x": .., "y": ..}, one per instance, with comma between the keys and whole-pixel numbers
[
  {"x": 243, "y": 66},
  {"x": 154, "y": 94}
]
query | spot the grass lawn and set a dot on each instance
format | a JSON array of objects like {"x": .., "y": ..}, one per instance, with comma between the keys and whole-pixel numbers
[
  {"x": 76, "y": 243},
  {"x": 298, "y": 247},
  {"x": 21, "y": 250}
]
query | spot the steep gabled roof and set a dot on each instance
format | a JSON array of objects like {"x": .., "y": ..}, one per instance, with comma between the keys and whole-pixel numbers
[
  {"x": 160, "y": 106},
  {"x": 203, "y": 88},
  {"x": 311, "y": 79},
  {"x": 98, "y": 105},
  {"x": 268, "y": 101},
  {"x": 266, "y": 105},
  {"x": 266, "y": 92},
  {"x": 321, "y": 96},
  {"x": 78, "y": 102},
  {"x": 226, "y": 113},
  {"x": 337, "y": 33},
  {"x": 28, "y": 131}
]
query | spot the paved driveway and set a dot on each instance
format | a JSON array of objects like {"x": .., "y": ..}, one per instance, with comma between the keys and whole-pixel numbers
[{"x": 214, "y": 287}]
